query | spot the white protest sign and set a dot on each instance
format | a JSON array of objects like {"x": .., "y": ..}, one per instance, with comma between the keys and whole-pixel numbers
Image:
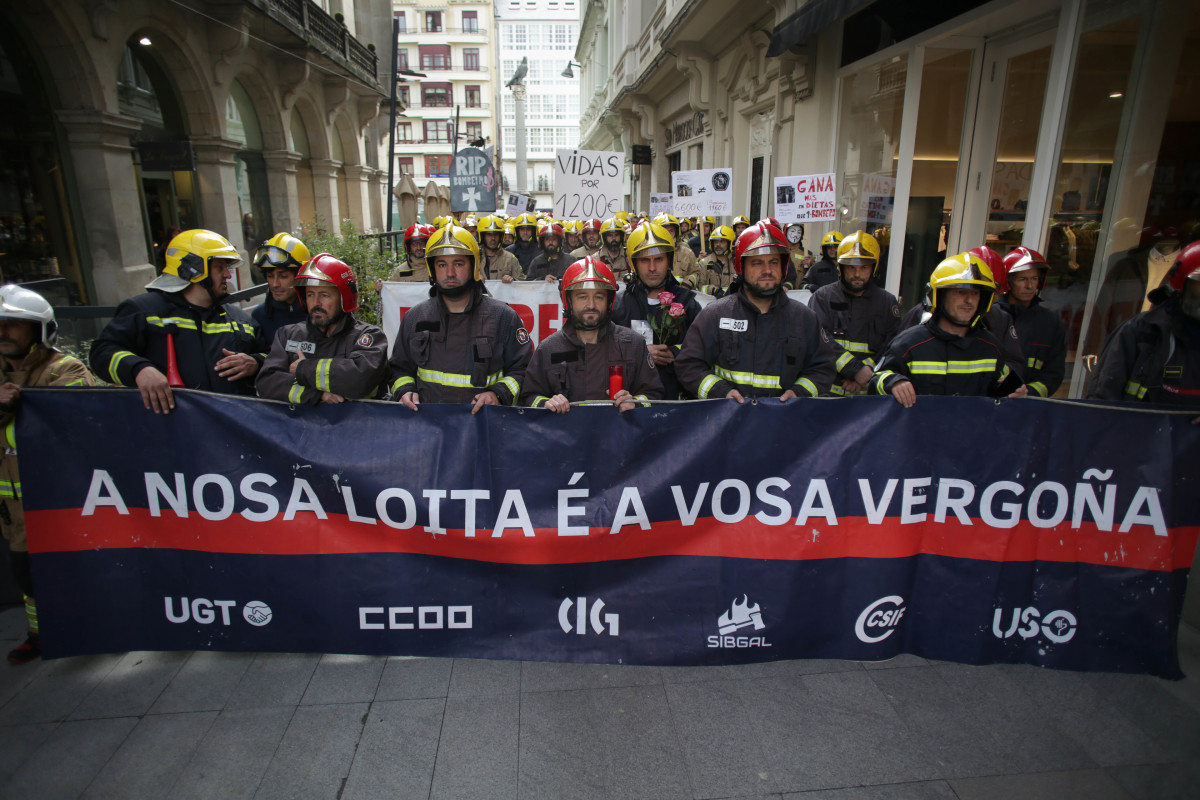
[
  {"x": 587, "y": 183},
  {"x": 703, "y": 192},
  {"x": 877, "y": 198},
  {"x": 806, "y": 198},
  {"x": 519, "y": 204},
  {"x": 660, "y": 203}
]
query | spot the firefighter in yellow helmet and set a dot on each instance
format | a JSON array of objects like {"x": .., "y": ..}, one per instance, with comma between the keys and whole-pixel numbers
[
  {"x": 685, "y": 265},
  {"x": 498, "y": 263},
  {"x": 861, "y": 316},
  {"x": 716, "y": 268},
  {"x": 612, "y": 248},
  {"x": 825, "y": 271},
  {"x": 459, "y": 346},
  {"x": 280, "y": 258},
  {"x": 182, "y": 317},
  {"x": 951, "y": 353},
  {"x": 526, "y": 247},
  {"x": 28, "y": 358},
  {"x": 739, "y": 224}
]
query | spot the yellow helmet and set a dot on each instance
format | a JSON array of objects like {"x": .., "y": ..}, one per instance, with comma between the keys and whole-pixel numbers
[
  {"x": 188, "y": 258},
  {"x": 963, "y": 271},
  {"x": 666, "y": 219},
  {"x": 523, "y": 220},
  {"x": 742, "y": 220},
  {"x": 490, "y": 224},
  {"x": 857, "y": 249},
  {"x": 649, "y": 239},
  {"x": 570, "y": 226},
  {"x": 510, "y": 229},
  {"x": 453, "y": 240},
  {"x": 707, "y": 221},
  {"x": 282, "y": 250},
  {"x": 723, "y": 232},
  {"x": 831, "y": 239},
  {"x": 470, "y": 221},
  {"x": 613, "y": 225},
  {"x": 621, "y": 216}
]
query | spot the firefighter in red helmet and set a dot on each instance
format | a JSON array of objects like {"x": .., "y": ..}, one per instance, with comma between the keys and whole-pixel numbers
[
  {"x": 756, "y": 341},
  {"x": 1040, "y": 332},
  {"x": 331, "y": 357},
  {"x": 590, "y": 355}
]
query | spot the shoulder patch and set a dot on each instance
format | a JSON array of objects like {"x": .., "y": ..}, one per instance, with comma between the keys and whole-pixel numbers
[
  {"x": 366, "y": 340},
  {"x": 895, "y": 311},
  {"x": 522, "y": 336},
  {"x": 1012, "y": 331}
]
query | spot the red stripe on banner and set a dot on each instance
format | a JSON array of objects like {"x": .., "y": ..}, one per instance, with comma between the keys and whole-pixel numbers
[{"x": 65, "y": 530}]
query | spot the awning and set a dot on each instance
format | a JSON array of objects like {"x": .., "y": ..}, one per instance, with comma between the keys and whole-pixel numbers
[{"x": 811, "y": 19}]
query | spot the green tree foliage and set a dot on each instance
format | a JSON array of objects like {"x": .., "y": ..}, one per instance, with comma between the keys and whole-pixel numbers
[{"x": 363, "y": 254}]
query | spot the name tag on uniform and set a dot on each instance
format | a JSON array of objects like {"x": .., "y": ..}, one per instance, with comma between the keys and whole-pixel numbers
[
  {"x": 735, "y": 325},
  {"x": 301, "y": 347},
  {"x": 642, "y": 328}
]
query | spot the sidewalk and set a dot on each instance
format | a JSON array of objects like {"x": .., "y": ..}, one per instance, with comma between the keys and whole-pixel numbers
[{"x": 228, "y": 725}]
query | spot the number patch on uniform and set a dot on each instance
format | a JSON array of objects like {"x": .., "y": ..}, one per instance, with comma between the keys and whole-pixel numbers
[
  {"x": 522, "y": 336},
  {"x": 366, "y": 340},
  {"x": 735, "y": 325},
  {"x": 294, "y": 346}
]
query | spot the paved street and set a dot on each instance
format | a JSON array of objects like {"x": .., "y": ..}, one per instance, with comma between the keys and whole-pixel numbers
[{"x": 221, "y": 725}]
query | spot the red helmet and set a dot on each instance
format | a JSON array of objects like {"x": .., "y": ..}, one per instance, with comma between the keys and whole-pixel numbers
[
  {"x": 325, "y": 270},
  {"x": 990, "y": 257},
  {"x": 759, "y": 239},
  {"x": 591, "y": 225},
  {"x": 1020, "y": 259},
  {"x": 550, "y": 229},
  {"x": 772, "y": 221},
  {"x": 1186, "y": 268},
  {"x": 588, "y": 273},
  {"x": 417, "y": 231}
]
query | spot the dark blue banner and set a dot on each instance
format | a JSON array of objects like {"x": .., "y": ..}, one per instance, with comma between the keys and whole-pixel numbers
[{"x": 1028, "y": 531}]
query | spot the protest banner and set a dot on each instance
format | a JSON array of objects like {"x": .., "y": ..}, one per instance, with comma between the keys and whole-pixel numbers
[
  {"x": 472, "y": 181},
  {"x": 660, "y": 203},
  {"x": 702, "y": 192},
  {"x": 877, "y": 199},
  {"x": 806, "y": 198},
  {"x": 587, "y": 183},
  {"x": 698, "y": 533},
  {"x": 519, "y": 204}
]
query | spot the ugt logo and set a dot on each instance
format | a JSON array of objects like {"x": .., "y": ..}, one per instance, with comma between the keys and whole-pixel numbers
[{"x": 1057, "y": 626}]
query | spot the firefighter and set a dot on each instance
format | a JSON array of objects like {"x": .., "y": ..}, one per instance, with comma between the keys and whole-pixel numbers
[
  {"x": 498, "y": 263},
  {"x": 525, "y": 248},
  {"x": 413, "y": 269},
  {"x": 716, "y": 268},
  {"x": 952, "y": 353},
  {"x": 572, "y": 236},
  {"x": 699, "y": 242},
  {"x": 686, "y": 269},
  {"x": 825, "y": 271},
  {"x": 1154, "y": 357},
  {"x": 1040, "y": 332},
  {"x": 740, "y": 224},
  {"x": 331, "y": 357},
  {"x": 552, "y": 262},
  {"x": 756, "y": 341},
  {"x": 573, "y": 364},
  {"x": 27, "y": 358},
  {"x": 654, "y": 304},
  {"x": 860, "y": 316},
  {"x": 612, "y": 249},
  {"x": 510, "y": 234},
  {"x": 590, "y": 231},
  {"x": 182, "y": 318},
  {"x": 460, "y": 345},
  {"x": 279, "y": 258}
]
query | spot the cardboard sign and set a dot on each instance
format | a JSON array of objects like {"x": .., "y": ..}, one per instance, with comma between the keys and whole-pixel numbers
[
  {"x": 877, "y": 198},
  {"x": 587, "y": 183},
  {"x": 519, "y": 204},
  {"x": 661, "y": 203},
  {"x": 703, "y": 192},
  {"x": 806, "y": 198},
  {"x": 472, "y": 181}
]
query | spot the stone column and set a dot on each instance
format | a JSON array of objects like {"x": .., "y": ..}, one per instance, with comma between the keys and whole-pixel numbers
[
  {"x": 216, "y": 195},
  {"x": 282, "y": 166},
  {"x": 114, "y": 233},
  {"x": 376, "y": 189},
  {"x": 325, "y": 194},
  {"x": 356, "y": 195}
]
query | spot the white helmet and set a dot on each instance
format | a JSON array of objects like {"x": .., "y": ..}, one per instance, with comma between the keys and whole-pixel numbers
[{"x": 17, "y": 302}]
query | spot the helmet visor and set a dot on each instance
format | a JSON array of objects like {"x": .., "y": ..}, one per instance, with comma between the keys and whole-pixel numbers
[{"x": 270, "y": 256}]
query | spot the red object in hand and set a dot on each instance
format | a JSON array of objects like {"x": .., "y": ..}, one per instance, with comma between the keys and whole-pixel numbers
[
  {"x": 173, "y": 377},
  {"x": 616, "y": 380}
]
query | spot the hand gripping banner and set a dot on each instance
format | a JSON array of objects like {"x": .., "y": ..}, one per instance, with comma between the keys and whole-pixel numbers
[{"x": 1026, "y": 531}]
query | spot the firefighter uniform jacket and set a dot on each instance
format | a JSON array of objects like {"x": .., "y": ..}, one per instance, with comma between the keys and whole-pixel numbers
[
  {"x": 44, "y": 366},
  {"x": 450, "y": 358},
  {"x": 685, "y": 266},
  {"x": 732, "y": 345},
  {"x": 584, "y": 252},
  {"x": 822, "y": 273},
  {"x": 716, "y": 273},
  {"x": 996, "y": 321},
  {"x": 617, "y": 263},
  {"x": 271, "y": 315},
  {"x": 411, "y": 271},
  {"x": 1043, "y": 341},
  {"x": 525, "y": 252},
  {"x": 562, "y": 364},
  {"x": 503, "y": 263},
  {"x": 352, "y": 362},
  {"x": 540, "y": 267},
  {"x": 861, "y": 326},
  {"x": 941, "y": 363},
  {"x": 634, "y": 310},
  {"x": 1154, "y": 357},
  {"x": 136, "y": 338}
]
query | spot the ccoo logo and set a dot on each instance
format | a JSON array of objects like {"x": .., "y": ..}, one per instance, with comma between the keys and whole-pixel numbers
[{"x": 878, "y": 621}]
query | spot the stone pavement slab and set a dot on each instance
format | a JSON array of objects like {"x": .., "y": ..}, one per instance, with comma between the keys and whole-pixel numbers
[
  {"x": 314, "y": 757},
  {"x": 151, "y": 757}
]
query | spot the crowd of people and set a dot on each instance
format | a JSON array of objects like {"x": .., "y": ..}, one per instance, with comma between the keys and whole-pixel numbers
[{"x": 981, "y": 329}]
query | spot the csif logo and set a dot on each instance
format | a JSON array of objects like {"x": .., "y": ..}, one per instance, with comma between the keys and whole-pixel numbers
[
  {"x": 878, "y": 621},
  {"x": 611, "y": 622},
  {"x": 205, "y": 612},
  {"x": 741, "y": 615},
  {"x": 1057, "y": 626}
]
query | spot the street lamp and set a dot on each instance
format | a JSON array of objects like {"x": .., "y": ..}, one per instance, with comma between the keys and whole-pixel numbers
[{"x": 567, "y": 73}]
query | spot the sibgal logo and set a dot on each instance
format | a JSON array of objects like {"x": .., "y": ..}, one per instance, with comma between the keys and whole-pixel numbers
[
  {"x": 740, "y": 615},
  {"x": 1057, "y": 626},
  {"x": 878, "y": 621},
  {"x": 206, "y": 612},
  {"x": 582, "y": 617}
]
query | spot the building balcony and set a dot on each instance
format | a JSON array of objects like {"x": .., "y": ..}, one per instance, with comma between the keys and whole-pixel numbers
[
  {"x": 306, "y": 21},
  {"x": 444, "y": 35}
]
